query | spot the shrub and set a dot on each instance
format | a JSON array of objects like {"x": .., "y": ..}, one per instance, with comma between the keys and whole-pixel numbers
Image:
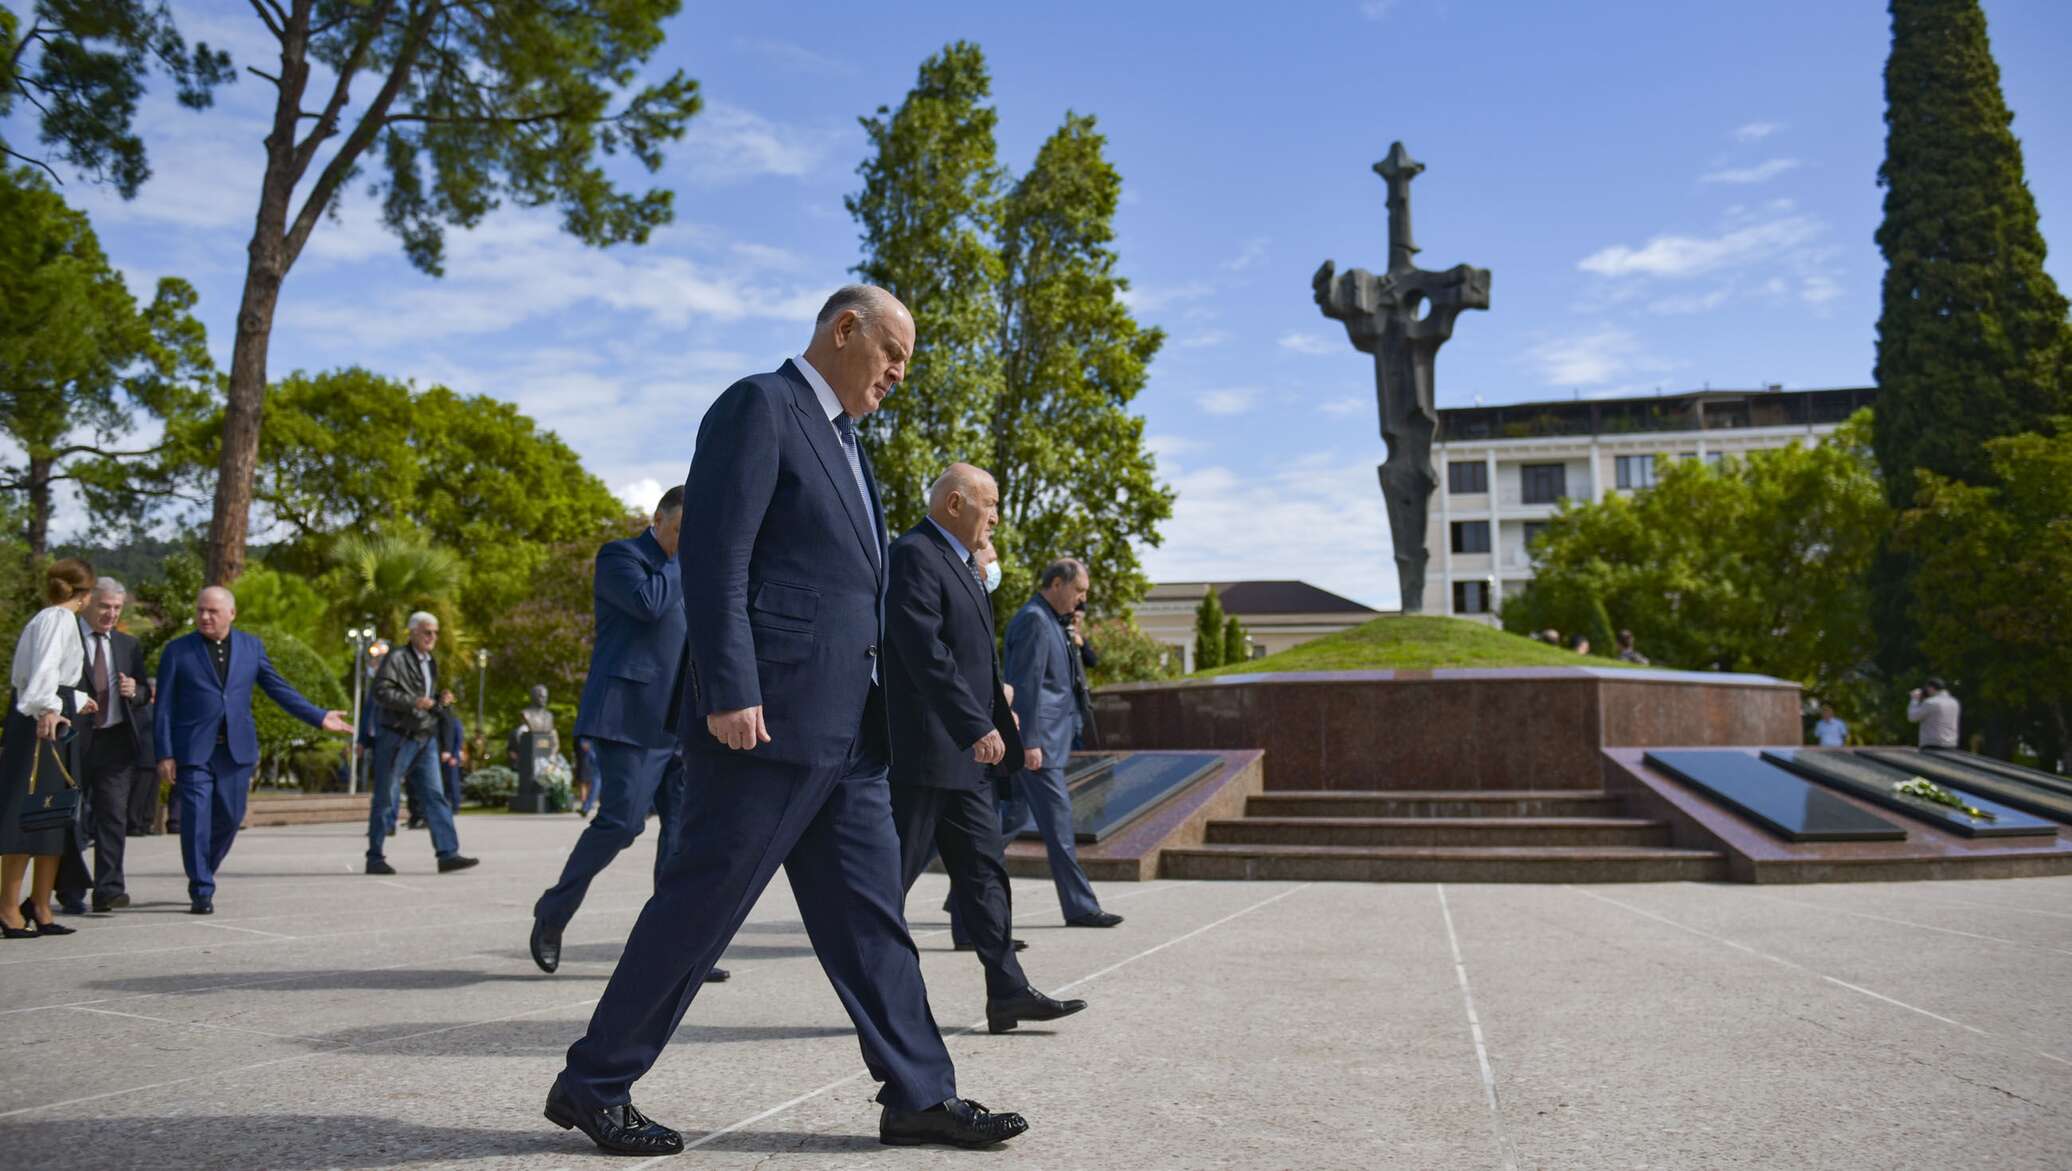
[{"x": 490, "y": 785}]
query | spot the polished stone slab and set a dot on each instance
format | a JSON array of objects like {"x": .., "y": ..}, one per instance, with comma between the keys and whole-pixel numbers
[
  {"x": 1877, "y": 783},
  {"x": 2055, "y": 782},
  {"x": 1952, "y": 771},
  {"x": 1110, "y": 790},
  {"x": 1782, "y": 802}
]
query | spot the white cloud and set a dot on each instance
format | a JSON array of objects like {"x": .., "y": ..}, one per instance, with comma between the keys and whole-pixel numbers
[
  {"x": 1755, "y": 131},
  {"x": 1376, "y": 9},
  {"x": 1684, "y": 303},
  {"x": 1762, "y": 172},
  {"x": 796, "y": 58},
  {"x": 1685, "y": 256},
  {"x": 1342, "y": 406},
  {"x": 1307, "y": 343},
  {"x": 1234, "y": 401},
  {"x": 1250, "y": 255},
  {"x": 1152, "y": 298},
  {"x": 1166, "y": 448},
  {"x": 1203, "y": 340},
  {"x": 1819, "y": 289},
  {"x": 728, "y": 143},
  {"x": 1592, "y": 358},
  {"x": 642, "y": 494}
]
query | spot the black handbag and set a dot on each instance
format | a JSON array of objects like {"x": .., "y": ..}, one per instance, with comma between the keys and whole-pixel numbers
[{"x": 55, "y": 809}]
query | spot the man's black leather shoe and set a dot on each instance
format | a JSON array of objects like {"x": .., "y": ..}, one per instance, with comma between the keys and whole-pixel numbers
[
  {"x": 1097, "y": 919},
  {"x": 959, "y": 1122},
  {"x": 718, "y": 976},
  {"x": 456, "y": 862},
  {"x": 546, "y": 946},
  {"x": 71, "y": 907},
  {"x": 1004, "y": 1013},
  {"x": 621, "y": 1130},
  {"x": 378, "y": 866},
  {"x": 111, "y": 903},
  {"x": 201, "y": 907},
  {"x": 1019, "y": 945}
]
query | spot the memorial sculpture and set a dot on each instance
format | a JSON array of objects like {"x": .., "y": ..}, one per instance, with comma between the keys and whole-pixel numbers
[
  {"x": 1402, "y": 317},
  {"x": 534, "y": 743}
]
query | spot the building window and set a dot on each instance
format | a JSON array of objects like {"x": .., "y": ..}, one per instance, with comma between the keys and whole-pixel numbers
[
  {"x": 1470, "y": 597},
  {"x": 1636, "y": 471},
  {"x": 1534, "y": 530},
  {"x": 1471, "y": 536},
  {"x": 1544, "y": 483},
  {"x": 1715, "y": 458},
  {"x": 1467, "y": 479}
]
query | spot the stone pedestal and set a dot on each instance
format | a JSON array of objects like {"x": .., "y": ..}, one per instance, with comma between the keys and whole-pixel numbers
[{"x": 533, "y": 750}]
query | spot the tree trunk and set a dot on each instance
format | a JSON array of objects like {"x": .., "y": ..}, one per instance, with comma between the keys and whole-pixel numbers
[
  {"x": 38, "y": 533},
  {"x": 266, "y": 266}
]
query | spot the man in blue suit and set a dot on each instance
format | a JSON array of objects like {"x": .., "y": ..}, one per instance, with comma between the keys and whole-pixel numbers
[
  {"x": 207, "y": 743},
  {"x": 783, "y": 572},
  {"x": 1039, "y": 665},
  {"x": 625, "y": 715}
]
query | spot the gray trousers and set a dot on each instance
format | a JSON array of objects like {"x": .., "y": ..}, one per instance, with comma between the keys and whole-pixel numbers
[{"x": 1042, "y": 792}]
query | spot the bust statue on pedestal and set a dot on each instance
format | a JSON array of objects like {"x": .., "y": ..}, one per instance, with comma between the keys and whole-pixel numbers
[{"x": 534, "y": 742}]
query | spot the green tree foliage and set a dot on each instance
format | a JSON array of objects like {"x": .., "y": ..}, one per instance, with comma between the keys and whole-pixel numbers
[
  {"x": 1208, "y": 632},
  {"x": 391, "y": 577},
  {"x": 1971, "y": 336},
  {"x": 1234, "y": 641},
  {"x": 1992, "y": 598},
  {"x": 285, "y": 602},
  {"x": 1026, "y": 359},
  {"x": 1758, "y": 564},
  {"x": 80, "y": 363},
  {"x": 547, "y": 637},
  {"x": 1127, "y": 654},
  {"x": 82, "y": 64},
  {"x": 466, "y": 105},
  {"x": 311, "y": 675}
]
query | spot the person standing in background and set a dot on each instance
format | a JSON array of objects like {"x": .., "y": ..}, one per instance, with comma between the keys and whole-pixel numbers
[
  {"x": 115, "y": 743},
  {"x": 1933, "y": 707},
  {"x": 48, "y": 659},
  {"x": 1830, "y": 731}
]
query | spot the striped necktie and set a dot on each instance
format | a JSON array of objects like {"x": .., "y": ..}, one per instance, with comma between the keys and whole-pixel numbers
[{"x": 846, "y": 428}]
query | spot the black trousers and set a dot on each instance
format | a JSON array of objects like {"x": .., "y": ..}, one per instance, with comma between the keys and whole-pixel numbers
[
  {"x": 965, "y": 827},
  {"x": 111, "y": 781}
]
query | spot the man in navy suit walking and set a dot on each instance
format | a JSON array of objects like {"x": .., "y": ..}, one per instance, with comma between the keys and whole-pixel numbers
[
  {"x": 783, "y": 572},
  {"x": 207, "y": 743},
  {"x": 625, "y": 715}
]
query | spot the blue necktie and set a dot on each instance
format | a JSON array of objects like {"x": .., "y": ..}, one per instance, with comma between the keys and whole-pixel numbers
[{"x": 846, "y": 428}]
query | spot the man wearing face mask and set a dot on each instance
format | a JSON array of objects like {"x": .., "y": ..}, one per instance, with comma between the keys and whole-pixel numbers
[{"x": 951, "y": 719}]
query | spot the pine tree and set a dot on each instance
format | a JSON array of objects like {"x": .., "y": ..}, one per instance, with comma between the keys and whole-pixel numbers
[
  {"x": 1208, "y": 632},
  {"x": 1971, "y": 337},
  {"x": 1233, "y": 641}
]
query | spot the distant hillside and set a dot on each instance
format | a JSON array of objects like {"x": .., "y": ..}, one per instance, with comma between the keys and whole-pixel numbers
[{"x": 1414, "y": 641}]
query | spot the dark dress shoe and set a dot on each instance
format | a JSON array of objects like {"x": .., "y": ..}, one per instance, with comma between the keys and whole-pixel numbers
[
  {"x": 457, "y": 862},
  {"x": 718, "y": 976},
  {"x": 29, "y": 919},
  {"x": 959, "y": 1122},
  {"x": 71, "y": 906},
  {"x": 416, "y": 823},
  {"x": 379, "y": 866},
  {"x": 1097, "y": 919},
  {"x": 111, "y": 903},
  {"x": 202, "y": 907},
  {"x": 55, "y": 928},
  {"x": 546, "y": 946},
  {"x": 26, "y": 931},
  {"x": 621, "y": 1130},
  {"x": 1003, "y": 1014},
  {"x": 1019, "y": 945}
]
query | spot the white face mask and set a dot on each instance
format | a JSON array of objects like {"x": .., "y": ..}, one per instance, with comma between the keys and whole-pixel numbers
[{"x": 992, "y": 576}]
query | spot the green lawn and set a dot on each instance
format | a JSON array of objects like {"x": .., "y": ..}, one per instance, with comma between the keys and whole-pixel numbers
[{"x": 1414, "y": 641}]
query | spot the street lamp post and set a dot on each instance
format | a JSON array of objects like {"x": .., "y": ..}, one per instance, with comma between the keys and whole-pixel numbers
[
  {"x": 481, "y": 688},
  {"x": 358, "y": 637}
]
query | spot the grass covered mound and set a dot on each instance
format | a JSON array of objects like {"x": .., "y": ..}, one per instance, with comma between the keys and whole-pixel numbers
[{"x": 1414, "y": 641}]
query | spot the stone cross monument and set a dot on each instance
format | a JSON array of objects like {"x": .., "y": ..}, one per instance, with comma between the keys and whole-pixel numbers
[{"x": 1402, "y": 317}]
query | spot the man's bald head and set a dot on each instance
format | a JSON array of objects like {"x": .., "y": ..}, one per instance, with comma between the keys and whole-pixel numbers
[
  {"x": 862, "y": 341},
  {"x": 215, "y": 608},
  {"x": 965, "y": 501}
]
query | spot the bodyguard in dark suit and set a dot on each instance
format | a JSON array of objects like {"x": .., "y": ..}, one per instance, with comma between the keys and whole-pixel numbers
[
  {"x": 114, "y": 744},
  {"x": 1040, "y": 658},
  {"x": 950, "y": 720},
  {"x": 782, "y": 562},
  {"x": 206, "y": 741},
  {"x": 625, "y": 716}
]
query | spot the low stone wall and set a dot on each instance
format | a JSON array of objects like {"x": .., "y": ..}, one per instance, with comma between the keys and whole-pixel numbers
[{"x": 1520, "y": 728}]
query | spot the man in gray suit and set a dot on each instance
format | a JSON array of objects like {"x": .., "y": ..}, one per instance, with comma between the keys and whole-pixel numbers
[{"x": 1039, "y": 665}]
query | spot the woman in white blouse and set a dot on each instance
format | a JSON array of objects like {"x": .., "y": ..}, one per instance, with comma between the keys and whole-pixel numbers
[{"x": 49, "y": 665}]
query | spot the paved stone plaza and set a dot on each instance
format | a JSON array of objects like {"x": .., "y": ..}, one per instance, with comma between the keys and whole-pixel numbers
[{"x": 326, "y": 1019}]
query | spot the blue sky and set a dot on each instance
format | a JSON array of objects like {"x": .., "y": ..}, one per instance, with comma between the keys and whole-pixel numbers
[{"x": 1670, "y": 196}]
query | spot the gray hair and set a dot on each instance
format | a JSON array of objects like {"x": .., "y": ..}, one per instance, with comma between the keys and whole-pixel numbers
[
  {"x": 229, "y": 598},
  {"x": 421, "y": 618},
  {"x": 865, "y": 300},
  {"x": 1063, "y": 569},
  {"x": 108, "y": 587}
]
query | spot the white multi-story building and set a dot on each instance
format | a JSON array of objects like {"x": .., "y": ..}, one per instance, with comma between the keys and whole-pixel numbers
[{"x": 1503, "y": 470}]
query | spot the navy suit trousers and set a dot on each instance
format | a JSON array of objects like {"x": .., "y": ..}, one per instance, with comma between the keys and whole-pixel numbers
[
  {"x": 211, "y": 798},
  {"x": 634, "y": 781},
  {"x": 830, "y": 827}
]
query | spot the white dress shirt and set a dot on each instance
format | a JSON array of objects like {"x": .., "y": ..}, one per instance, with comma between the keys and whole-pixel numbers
[
  {"x": 821, "y": 390},
  {"x": 48, "y": 659},
  {"x": 102, "y": 646}
]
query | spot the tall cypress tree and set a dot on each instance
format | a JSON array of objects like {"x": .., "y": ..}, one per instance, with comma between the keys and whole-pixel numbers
[
  {"x": 1208, "y": 632},
  {"x": 1971, "y": 337}
]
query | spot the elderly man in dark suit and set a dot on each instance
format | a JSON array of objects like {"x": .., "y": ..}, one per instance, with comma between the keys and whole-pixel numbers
[
  {"x": 1040, "y": 658},
  {"x": 950, "y": 720},
  {"x": 625, "y": 716},
  {"x": 114, "y": 743},
  {"x": 782, "y": 562},
  {"x": 206, "y": 741}
]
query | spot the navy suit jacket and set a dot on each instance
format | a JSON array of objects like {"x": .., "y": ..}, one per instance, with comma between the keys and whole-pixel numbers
[
  {"x": 942, "y": 673},
  {"x": 639, "y": 648},
  {"x": 193, "y": 708},
  {"x": 1039, "y": 665},
  {"x": 783, "y": 574}
]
